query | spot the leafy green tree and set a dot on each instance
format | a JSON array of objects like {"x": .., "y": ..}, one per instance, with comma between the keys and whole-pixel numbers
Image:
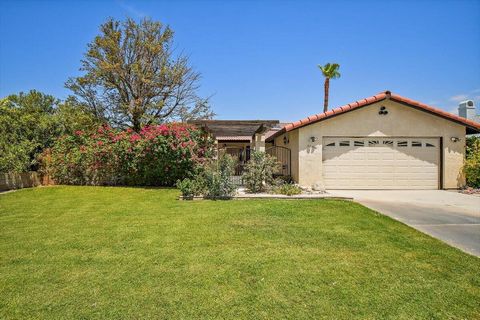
[
  {"x": 132, "y": 77},
  {"x": 329, "y": 71},
  {"x": 30, "y": 122}
]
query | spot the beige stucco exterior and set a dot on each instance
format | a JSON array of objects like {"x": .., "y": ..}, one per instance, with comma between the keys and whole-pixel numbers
[{"x": 401, "y": 121}]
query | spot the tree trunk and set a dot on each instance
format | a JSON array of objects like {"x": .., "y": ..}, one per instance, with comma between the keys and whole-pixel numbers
[
  {"x": 136, "y": 125},
  {"x": 325, "y": 100}
]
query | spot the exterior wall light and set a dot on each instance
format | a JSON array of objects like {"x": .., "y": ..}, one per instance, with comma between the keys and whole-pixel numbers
[
  {"x": 313, "y": 139},
  {"x": 455, "y": 139}
]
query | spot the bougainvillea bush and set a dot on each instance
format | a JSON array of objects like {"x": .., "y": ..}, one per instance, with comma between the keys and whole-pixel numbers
[{"x": 156, "y": 156}]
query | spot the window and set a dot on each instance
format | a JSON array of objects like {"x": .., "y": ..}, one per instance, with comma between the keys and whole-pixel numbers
[
  {"x": 416, "y": 143},
  {"x": 359, "y": 143},
  {"x": 331, "y": 144},
  {"x": 344, "y": 143},
  {"x": 388, "y": 142},
  {"x": 429, "y": 145},
  {"x": 372, "y": 143},
  {"x": 402, "y": 144}
]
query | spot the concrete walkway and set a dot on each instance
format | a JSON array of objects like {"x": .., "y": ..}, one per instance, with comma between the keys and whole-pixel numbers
[{"x": 449, "y": 216}]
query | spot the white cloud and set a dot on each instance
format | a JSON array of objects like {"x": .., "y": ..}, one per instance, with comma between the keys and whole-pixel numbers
[
  {"x": 131, "y": 10},
  {"x": 459, "y": 97}
]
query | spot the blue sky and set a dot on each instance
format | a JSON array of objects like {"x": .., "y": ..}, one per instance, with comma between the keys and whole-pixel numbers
[{"x": 258, "y": 58}]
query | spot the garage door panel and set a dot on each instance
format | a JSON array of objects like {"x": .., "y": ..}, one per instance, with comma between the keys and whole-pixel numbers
[{"x": 381, "y": 163}]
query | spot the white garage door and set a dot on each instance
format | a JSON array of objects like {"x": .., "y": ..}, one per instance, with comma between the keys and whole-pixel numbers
[{"x": 381, "y": 163}]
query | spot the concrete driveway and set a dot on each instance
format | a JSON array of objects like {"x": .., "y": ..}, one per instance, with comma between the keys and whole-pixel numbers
[{"x": 446, "y": 215}]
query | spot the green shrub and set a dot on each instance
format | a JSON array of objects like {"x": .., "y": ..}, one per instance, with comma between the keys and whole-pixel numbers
[
  {"x": 471, "y": 168},
  {"x": 192, "y": 187},
  {"x": 287, "y": 189},
  {"x": 218, "y": 177},
  {"x": 186, "y": 187},
  {"x": 259, "y": 171}
]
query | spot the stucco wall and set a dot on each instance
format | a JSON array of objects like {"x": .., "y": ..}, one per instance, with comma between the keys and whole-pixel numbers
[
  {"x": 401, "y": 121},
  {"x": 293, "y": 146}
]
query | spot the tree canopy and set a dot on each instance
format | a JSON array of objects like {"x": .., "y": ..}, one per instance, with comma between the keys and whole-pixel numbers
[
  {"x": 30, "y": 122},
  {"x": 133, "y": 76}
]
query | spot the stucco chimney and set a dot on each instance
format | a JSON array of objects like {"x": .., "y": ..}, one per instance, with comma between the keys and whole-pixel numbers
[{"x": 466, "y": 109}]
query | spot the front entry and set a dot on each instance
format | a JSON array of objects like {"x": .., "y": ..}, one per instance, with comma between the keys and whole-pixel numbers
[{"x": 381, "y": 163}]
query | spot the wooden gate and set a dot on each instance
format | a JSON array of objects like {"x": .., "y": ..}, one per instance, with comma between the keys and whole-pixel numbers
[{"x": 284, "y": 156}]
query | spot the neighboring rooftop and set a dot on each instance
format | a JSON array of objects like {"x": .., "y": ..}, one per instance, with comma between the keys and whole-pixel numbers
[
  {"x": 235, "y": 128},
  {"x": 467, "y": 110}
]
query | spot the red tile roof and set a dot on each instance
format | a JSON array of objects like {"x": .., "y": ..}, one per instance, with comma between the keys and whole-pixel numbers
[{"x": 474, "y": 126}]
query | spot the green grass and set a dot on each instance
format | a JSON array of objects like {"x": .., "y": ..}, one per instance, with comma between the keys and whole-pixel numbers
[{"x": 93, "y": 252}]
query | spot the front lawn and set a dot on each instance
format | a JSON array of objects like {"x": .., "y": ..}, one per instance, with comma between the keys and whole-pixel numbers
[{"x": 93, "y": 252}]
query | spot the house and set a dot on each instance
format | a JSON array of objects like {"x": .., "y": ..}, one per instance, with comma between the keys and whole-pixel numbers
[{"x": 381, "y": 142}]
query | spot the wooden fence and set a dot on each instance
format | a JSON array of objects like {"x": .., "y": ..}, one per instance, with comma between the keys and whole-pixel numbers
[{"x": 9, "y": 181}]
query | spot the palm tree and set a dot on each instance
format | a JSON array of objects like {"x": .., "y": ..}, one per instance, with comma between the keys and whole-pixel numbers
[{"x": 329, "y": 71}]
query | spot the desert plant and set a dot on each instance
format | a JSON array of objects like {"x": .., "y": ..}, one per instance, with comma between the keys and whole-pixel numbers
[
  {"x": 218, "y": 177},
  {"x": 287, "y": 189},
  {"x": 259, "y": 171},
  {"x": 471, "y": 168}
]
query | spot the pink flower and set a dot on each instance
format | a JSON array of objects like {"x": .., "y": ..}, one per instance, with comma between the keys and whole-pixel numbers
[
  {"x": 135, "y": 137},
  {"x": 99, "y": 143},
  {"x": 78, "y": 132}
]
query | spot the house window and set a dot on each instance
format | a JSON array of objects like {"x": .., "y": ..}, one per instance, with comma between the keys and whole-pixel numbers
[
  {"x": 402, "y": 144},
  {"x": 344, "y": 143},
  {"x": 359, "y": 143},
  {"x": 416, "y": 143}
]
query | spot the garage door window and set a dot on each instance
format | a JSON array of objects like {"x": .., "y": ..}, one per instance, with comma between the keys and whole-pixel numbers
[
  {"x": 416, "y": 143},
  {"x": 359, "y": 143},
  {"x": 372, "y": 143},
  {"x": 402, "y": 144},
  {"x": 332, "y": 144},
  {"x": 429, "y": 145},
  {"x": 344, "y": 143},
  {"x": 388, "y": 142}
]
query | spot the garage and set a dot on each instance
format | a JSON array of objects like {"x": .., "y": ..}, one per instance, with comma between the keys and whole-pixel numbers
[
  {"x": 385, "y": 141},
  {"x": 381, "y": 163}
]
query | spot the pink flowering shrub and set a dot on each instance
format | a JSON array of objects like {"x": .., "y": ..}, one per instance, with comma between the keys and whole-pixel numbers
[{"x": 156, "y": 156}]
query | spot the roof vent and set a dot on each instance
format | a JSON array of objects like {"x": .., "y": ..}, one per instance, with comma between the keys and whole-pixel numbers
[{"x": 466, "y": 109}]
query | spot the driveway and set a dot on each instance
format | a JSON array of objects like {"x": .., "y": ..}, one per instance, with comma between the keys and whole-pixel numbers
[{"x": 446, "y": 215}]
